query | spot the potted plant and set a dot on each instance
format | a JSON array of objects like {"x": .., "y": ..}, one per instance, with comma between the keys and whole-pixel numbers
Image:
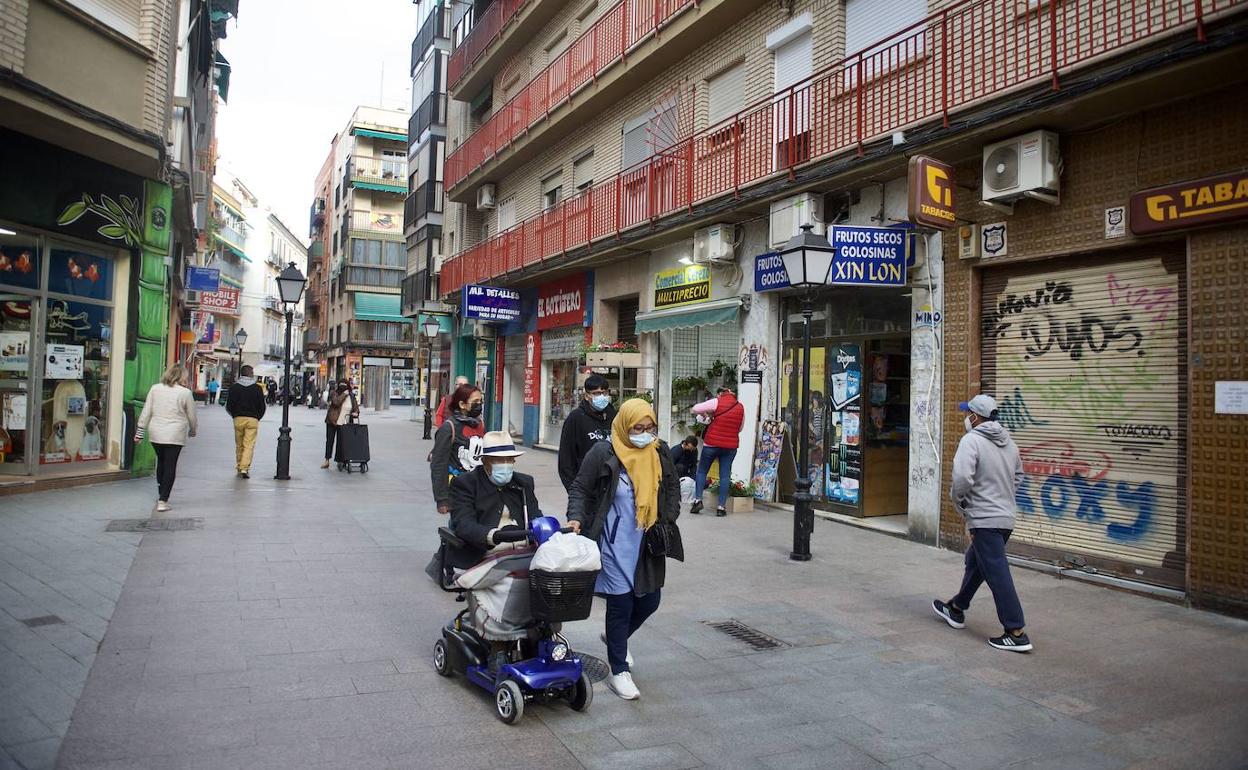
[
  {"x": 740, "y": 496},
  {"x": 624, "y": 355}
]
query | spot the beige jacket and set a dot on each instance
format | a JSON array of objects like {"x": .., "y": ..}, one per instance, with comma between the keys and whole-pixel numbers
[{"x": 168, "y": 415}]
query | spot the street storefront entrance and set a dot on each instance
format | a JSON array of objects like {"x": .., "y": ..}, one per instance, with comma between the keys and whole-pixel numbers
[
  {"x": 1066, "y": 346},
  {"x": 859, "y": 421},
  {"x": 561, "y": 356}
]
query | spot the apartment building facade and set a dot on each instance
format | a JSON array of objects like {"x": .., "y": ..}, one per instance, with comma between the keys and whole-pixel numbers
[
  {"x": 620, "y": 177},
  {"x": 105, "y": 130},
  {"x": 368, "y": 340},
  {"x": 216, "y": 317}
]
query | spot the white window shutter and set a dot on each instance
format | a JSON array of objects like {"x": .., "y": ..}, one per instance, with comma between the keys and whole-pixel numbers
[
  {"x": 794, "y": 61},
  {"x": 507, "y": 214},
  {"x": 636, "y": 147},
  {"x": 867, "y": 22},
  {"x": 121, "y": 15},
  {"x": 725, "y": 94}
]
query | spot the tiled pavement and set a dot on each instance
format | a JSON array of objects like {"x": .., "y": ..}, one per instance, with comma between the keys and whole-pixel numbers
[{"x": 294, "y": 630}]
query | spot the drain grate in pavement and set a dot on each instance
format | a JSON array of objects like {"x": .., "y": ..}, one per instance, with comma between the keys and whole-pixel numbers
[
  {"x": 46, "y": 620},
  {"x": 595, "y": 668},
  {"x": 153, "y": 525},
  {"x": 743, "y": 633}
]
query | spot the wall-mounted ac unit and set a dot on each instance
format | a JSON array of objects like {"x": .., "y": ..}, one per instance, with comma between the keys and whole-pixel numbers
[
  {"x": 788, "y": 216},
  {"x": 192, "y": 297},
  {"x": 487, "y": 197},
  {"x": 1029, "y": 163},
  {"x": 199, "y": 186},
  {"x": 713, "y": 245}
]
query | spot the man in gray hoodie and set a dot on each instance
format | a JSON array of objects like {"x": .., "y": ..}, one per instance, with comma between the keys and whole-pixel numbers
[{"x": 987, "y": 470}]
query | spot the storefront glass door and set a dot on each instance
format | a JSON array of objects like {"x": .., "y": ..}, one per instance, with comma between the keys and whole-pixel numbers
[{"x": 15, "y": 373}]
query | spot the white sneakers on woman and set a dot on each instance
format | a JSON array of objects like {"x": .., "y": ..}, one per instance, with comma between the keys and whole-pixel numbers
[
  {"x": 162, "y": 506},
  {"x": 622, "y": 685}
]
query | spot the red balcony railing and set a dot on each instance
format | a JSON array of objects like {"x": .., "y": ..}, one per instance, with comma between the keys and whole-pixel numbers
[
  {"x": 596, "y": 50},
  {"x": 484, "y": 32},
  {"x": 967, "y": 53}
]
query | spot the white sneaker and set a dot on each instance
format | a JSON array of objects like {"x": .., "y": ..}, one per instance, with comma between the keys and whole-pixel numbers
[
  {"x": 622, "y": 685},
  {"x": 628, "y": 656},
  {"x": 162, "y": 506},
  {"x": 325, "y": 464}
]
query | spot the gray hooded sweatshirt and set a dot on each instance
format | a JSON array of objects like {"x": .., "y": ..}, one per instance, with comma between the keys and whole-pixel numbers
[{"x": 987, "y": 470}]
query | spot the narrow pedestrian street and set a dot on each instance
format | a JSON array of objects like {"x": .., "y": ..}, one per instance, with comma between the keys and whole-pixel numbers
[{"x": 293, "y": 626}]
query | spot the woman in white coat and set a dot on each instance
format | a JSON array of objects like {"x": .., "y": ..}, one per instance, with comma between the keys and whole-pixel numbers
[{"x": 167, "y": 419}]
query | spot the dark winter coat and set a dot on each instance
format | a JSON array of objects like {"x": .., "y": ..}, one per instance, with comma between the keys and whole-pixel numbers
[
  {"x": 245, "y": 400},
  {"x": 684, "y": 460},
  {"x": 593, "y": 491},
  {"x": 456, "y": 432},
  {"x": 583, "y": 428},
  {"x": 477, "y": 506}
]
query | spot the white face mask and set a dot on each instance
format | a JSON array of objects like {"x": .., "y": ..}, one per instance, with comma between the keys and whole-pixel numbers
[
  {"x": 969, "y": 425},
  {"x": 642, "y": 440}
]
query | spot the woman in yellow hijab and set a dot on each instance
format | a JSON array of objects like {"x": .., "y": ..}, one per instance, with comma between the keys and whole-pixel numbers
[{"x": 623, "y": 488}]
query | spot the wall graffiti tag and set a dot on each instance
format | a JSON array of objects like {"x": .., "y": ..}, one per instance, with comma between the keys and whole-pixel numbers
[{"x": 1085, "y": 364}]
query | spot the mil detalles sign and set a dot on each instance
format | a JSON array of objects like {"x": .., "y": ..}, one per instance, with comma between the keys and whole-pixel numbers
[
  {"x": 931, "y": 193},
  {"x": 682, "y": 286},
  {"x": 1207, "y": 201}
]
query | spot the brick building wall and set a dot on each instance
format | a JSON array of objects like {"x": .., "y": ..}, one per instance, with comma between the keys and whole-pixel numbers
[
  {"x": 1102, "y": 168},
  {"x": 13, "y": 34}
]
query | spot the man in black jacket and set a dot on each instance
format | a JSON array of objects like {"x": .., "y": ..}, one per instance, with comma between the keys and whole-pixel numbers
[
  {"x": 685, "y": 457},
  {"x": 588, "y": 424},
  {"x": 245, "y": 403}
]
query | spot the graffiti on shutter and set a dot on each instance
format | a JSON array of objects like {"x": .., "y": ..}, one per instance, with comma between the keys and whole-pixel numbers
[{"x": 1087, "y": 366}]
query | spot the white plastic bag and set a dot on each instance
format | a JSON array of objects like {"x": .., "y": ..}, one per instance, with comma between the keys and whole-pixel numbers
[
  {"x": 687, "y": 489},
  {"x": 567, "y": 552}
]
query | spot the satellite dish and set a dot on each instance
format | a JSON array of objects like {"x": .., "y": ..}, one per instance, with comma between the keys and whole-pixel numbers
[{"x": 1001, "y": 169}]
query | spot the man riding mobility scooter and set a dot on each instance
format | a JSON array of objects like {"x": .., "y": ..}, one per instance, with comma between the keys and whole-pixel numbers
[{"x": 514, "y": 603}]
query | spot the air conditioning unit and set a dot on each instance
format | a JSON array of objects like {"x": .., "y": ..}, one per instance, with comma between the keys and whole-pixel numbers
[
  {"x": 788, "y": 216},
  {"x": 487, "y": 197},
  {"x": 713, "y": 245},
  {"x": 199, "y": 186},
  {"x": 192, "y": 297},
  {"x": 1029, "y": 163}
]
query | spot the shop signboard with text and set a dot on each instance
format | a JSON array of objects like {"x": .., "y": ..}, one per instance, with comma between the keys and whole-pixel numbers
[
  {"x": 223, "y": 301},
  {"x": 561, "y": 303},
  {"x": 490, "y": 303},
  {"x": 930, "y": 184},
  {"x": 1200, "y": 202},
  {"x": 682, "y": 286},
  {"x": 203, "y": 278},
  {"x": 865, "y": 256}
]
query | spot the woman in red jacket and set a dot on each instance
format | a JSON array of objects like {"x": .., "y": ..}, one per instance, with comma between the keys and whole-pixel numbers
[{"x": 719, "y": 442}]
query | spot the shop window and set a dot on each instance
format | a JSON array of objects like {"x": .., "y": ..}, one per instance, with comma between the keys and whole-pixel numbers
[
  {"x": 19, "y": 261},
  {"x": 77, "y": 354},
  {"x": 552, "y": 190},
  {"x": 15, "y": 364},
  {"x": 81, "y": 275}
]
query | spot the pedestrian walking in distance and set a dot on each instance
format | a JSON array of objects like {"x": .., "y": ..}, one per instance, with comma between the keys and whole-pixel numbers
[
  {"x": 457, "y": 443},
  {"x": 245, "y": 403},
  {"x": 588, "y": 424},
  {"x": 719, "y": 442},
  {"x": 213, "y": 388},
  {"x": 167, "y": 419},
  {"x": 625, "y": 486},
  {"x": 341, "y": 408},
  {"x": 987, "y": 470}
]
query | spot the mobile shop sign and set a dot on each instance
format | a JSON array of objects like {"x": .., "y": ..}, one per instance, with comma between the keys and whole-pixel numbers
[
  {"x": 561, "y": 303},
  {"x": 865, "y": 256},
  {"x": 203, "y": 278},
  {"x": 1192, "y": 204},
  {"x": 930, "y": 185},
  {"x": 223, "y": 300},
  {"x": 491, "y": 303},
  {"x": 682, "y": 286}
]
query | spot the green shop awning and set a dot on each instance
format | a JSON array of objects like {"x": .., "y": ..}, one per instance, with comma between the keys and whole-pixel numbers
[
  {"x": 718, "y": 312},
  {"x": 222, "y": 66},
  {"x": 236, "y": 250},
  {"x": 392, "y": 188},
  {"x": 380, "y": 134},
  {"x": 379, "y": 307},
  {"x": 444, "y": 321}
]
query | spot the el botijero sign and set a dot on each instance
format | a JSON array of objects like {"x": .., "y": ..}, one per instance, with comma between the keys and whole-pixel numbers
[
  {"x": 1191, "y": 204},
  {"x": 931, "y": 193}
]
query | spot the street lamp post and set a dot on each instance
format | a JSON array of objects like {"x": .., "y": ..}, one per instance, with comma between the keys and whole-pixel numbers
[
  {"x": 430, "y": 328},
  {"x": 808, "y": 260},
  {"x": 234, "y": 362},
  {"x": 290, "y": 285},
  {"x": 240, "y": 341}
]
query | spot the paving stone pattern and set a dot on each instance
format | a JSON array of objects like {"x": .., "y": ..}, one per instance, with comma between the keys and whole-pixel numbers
[{"x": 294, "y": 630}]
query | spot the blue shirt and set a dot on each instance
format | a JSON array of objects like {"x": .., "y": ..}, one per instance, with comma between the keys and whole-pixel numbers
[{"x": 620, "y": 542}]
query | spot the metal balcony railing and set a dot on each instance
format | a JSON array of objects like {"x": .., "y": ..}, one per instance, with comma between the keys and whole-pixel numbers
[
  {"x": 392, "y": 332},
  {"x": 430, "y": 113},
  {"x": 229, "y": 265},
  {"x": 388, "y": 171},
  {"x": 599, "y": 48},
  {"x": 955, "y": 58},
  {"x": 424, "y": 200},
  {"x": 235, "y": 237},
  {"x": 377, "y": 222},
  {"x": 270, "y": 303},
  {"x": 437, "y": 26},
  {"x": 474, "y": 36},
  {"x": 372, "y": 277}
]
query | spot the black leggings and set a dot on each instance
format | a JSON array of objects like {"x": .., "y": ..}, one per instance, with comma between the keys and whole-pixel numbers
[
  {"x": 331, "y": 432},
  {"x": 166, "y": 468}
]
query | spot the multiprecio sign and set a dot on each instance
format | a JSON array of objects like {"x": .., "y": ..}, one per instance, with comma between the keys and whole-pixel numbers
[{"x": 1201, "y": 202}]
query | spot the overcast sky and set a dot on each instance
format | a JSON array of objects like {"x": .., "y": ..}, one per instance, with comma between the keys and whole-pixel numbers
[{"x": 299, "y": 69}]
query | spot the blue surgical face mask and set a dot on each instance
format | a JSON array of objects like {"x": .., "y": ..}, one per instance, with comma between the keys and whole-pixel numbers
[
  {"x": 500, "y": 474},
  {"x": 642, "y": 440},
  {"x": 599, "y": 403}
]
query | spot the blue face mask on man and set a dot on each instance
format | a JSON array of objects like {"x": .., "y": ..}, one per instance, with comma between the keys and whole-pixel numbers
[
  {"x": 600, "y": 402},
  {"x": 500, "y": 473}
]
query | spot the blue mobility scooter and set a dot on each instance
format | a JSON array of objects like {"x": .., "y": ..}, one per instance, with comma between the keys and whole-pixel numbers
[{"x": 541, "y": 666}]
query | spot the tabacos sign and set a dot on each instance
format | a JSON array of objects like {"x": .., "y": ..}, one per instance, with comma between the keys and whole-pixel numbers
[
  {"x": 1201, "y": 202},
  {"x": 930, "y": 184},
  {"x": 561, "y": 303}
]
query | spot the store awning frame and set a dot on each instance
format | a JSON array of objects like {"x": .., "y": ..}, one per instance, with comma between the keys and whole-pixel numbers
[
  {"x": 387, "y": 135},
  {"x": 690, "y": 316},
  {"x": 379, "y": 307},
  {"x": 390, "y": 188}
]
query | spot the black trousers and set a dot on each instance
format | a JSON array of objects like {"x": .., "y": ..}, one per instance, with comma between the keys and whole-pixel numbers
[
  {"x": 166, "y": 468},
  {"x": 331, "y": 432},
  {"x": 625, "y": 614}
]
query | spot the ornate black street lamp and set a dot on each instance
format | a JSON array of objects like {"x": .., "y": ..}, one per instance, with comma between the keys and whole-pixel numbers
[
  {"x": 430, "y": 328},
  {"x": 290, "y": 286},
  {"x": 808, "y": 261}
]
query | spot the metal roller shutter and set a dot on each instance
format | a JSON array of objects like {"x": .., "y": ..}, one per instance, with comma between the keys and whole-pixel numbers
[
  {"x": 513, "y": 350},
  {"x": 725, "y": 94},
  {"x": 562, "y": 343},
  {"x": 1087, "y": 361}
]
